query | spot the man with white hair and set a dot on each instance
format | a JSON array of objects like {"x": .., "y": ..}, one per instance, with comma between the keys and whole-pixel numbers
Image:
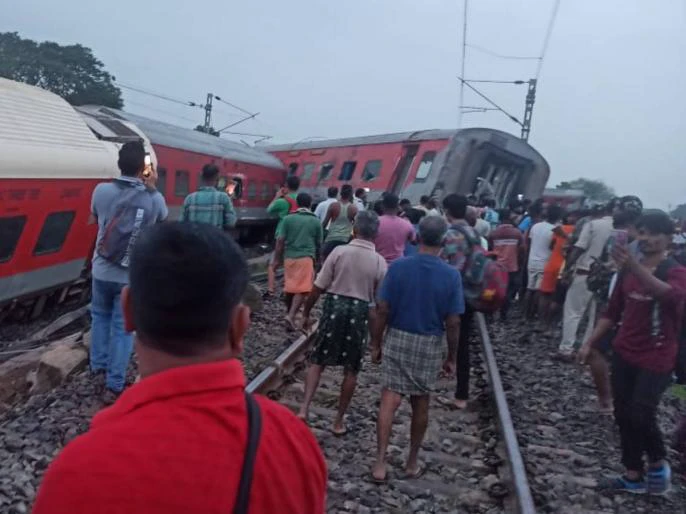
[{"x": 350, "y": 278}]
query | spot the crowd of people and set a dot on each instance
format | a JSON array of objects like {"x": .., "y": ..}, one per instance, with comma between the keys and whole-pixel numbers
[{"x": 395, "y": 279}]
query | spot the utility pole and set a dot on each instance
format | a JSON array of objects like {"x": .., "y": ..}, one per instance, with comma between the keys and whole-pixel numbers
[
  {"x": 529, "y": 109},
  {"x": 208, "y": 113},
  {"x": 464, "y": 55}
]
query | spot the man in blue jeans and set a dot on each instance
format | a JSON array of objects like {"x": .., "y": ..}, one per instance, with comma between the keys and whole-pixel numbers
[{"x": 111, "y": 345}]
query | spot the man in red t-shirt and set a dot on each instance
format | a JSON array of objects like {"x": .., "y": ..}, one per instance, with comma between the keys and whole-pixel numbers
[
  {"x": 175, "y": 442},
  {"x": 507, "y": 243},
  {"x": 648, "y": 299}
]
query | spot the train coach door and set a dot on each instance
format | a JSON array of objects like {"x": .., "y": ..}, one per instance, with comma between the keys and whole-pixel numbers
[{"x": 402, "y": 169}]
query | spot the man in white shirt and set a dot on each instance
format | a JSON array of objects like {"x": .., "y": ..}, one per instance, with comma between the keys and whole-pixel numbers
[
  {"x": 323, "y": 207},
  {"x": 360, "y": 199},
  {"x": 540, "y": 248},
  {"x": 579, "y": 299}
]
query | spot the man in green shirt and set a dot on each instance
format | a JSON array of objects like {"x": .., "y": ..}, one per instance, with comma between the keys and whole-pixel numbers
[
  {"x": 297, "y": 246},
  {"x": 282, "y": 205},
  {"x": 209, "y": 205}
]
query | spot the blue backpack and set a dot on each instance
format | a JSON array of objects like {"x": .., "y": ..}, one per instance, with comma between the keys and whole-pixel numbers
[{"x": 130, "y": 214}]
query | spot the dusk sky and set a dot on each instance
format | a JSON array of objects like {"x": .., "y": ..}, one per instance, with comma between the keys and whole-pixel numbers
[{"x": 610, "y": 103}]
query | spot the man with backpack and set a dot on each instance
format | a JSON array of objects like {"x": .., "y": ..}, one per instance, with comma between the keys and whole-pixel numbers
[
  {"x": 458, "y": 245},
  {"x": 648, "y": 299},
  {"x": 484, "y": 282},
  {"x": 122, "y": 208},
  {"x": 282, "y": 205}
]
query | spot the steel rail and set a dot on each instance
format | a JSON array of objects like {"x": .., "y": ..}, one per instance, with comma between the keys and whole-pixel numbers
[
  {"x": 525, "y": 502},
  {"x": 271, "y": 378}
]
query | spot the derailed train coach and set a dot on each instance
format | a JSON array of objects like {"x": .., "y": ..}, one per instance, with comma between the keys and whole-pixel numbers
[{"x": 479, "y": 161}]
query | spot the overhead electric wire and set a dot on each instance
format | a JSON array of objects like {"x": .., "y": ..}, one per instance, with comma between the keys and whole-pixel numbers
[
  {"x": 234, "y": 106},
  {"x": 161, "y": 111},
  {"x": 502, "y": 56},
  {"x": 498, "y": 81},
  {"x": 546, "y": 41},
  {"x": 159, "y": 95},
  {"x": 513, "y": 118}
]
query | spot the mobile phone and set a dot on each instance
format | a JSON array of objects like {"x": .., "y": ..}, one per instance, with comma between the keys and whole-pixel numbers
[
  {"x": 619, "y": 237},
  {"x": 147, "y": 171}
]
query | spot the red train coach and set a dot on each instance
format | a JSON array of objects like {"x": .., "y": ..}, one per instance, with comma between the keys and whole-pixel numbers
[
  {"x": 412, "y": 164},
  {"x": 251, "y": 175},
  {"x": 50, "y": 162}
]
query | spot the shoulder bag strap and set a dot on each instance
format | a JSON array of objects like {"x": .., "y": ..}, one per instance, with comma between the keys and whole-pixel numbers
[{"x": 254, "y": 431}]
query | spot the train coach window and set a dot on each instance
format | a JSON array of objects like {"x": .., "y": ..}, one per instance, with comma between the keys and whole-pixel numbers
[
  {"x": 162, "y": 181},
  {"x": 54, "y": 232},
  {"x": 10, "y": 232},
  {"x": 347, "y": 170},
  {"x": 266, "y": 191},
  {"x": 252, "y": 190},
  {"x": 425, "y": 166},
  {"x": 181, "y": 183},
  {"x": 371, "y": 171},
  {"x": 292, "y": 168},
  {"x": 324, "y": 172},
  {"x": 308, "y": 168}
]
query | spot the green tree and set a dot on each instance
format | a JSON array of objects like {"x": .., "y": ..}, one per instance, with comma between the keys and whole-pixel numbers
[
  {"x": 211, "y": 131},
  {"x": 71, "y": 71},
  {"x": 679, "y": 212},
  {"x": 596, "y": 190}
]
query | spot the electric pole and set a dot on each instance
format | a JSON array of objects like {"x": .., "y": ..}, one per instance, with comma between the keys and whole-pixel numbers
[
  {"x": 208, "y": 113},
  {"x": 528, "y": 109}
]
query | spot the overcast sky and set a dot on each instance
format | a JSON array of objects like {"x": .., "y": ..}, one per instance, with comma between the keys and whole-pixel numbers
[{"x": 611, "y": 102}]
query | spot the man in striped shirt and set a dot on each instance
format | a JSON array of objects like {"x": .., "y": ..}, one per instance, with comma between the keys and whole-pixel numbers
[{"x": 207, "y": 204}]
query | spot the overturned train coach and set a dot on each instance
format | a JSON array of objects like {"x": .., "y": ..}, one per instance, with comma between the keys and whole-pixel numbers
[
  {"x": 480, "y": 161},
  {"x": 52, "y": 156}
]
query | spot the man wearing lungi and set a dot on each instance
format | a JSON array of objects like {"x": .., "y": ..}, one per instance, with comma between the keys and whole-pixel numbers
[
  {"x": 420, "y": 300},
  {"x": 350, "y": 279},
  {"x": 298, "y": 244}
]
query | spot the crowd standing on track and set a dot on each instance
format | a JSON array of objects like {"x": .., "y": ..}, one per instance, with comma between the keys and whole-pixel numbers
[{"x": 408, "y": 280}]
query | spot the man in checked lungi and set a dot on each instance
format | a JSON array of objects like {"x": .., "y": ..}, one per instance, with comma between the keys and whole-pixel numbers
[{"x": 421, "y": 299}]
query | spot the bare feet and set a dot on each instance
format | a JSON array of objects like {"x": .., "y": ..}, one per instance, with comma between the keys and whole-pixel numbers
[
  {"x": 339, "y": 429},
  {"x": 290, "y": 324},
  {"x": 378, "y": 473},
  {"x": 415, "y": 471},
  {"x": 452, "y": 403},
  {"x": 606, "y": 407},
  {"x": 460, "y": 404}
]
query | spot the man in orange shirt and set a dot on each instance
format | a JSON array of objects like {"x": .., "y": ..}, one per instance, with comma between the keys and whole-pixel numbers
[{"x": 187, "y": 438}]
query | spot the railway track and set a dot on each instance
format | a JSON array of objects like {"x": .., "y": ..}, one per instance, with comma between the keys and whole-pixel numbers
[{"x": 472, "y": 457}]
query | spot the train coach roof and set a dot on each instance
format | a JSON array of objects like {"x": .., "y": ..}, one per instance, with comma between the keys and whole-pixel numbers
[
  {"x": 42, "y": 136},
  {"x": 173, "y": 136},
  {"x": 396, "y": 137}
]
